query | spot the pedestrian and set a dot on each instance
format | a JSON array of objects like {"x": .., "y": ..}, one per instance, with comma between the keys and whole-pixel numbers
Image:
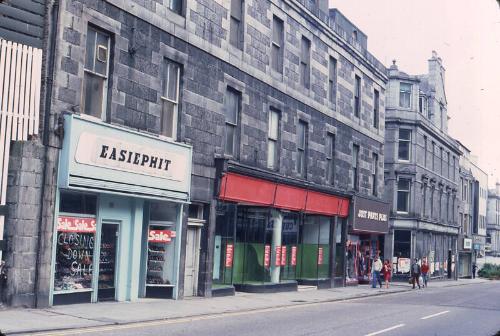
[
  {"x": 387, "y": 270},
  {"x": 474, "y": 269},
  {"x": 377, "y": 267},
  {"x": 415, "y": 273},
  {"x": 424, "y": 269}
]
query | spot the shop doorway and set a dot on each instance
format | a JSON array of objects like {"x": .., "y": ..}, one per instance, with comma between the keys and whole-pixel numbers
[
  {"x": 192, "y": 260},
  {"x": 106, "y": 289}
]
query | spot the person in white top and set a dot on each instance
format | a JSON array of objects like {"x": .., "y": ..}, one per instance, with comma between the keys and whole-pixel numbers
[{"x": 377, "y": 267}]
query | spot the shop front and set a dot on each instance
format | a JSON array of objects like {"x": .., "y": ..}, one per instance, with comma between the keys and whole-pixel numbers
[
  {"x": 273, "y": 237},
  {"x": 365, "y": 239},
  {"x": 119, "y": 207},
  {"x": 465, "y": 258}
]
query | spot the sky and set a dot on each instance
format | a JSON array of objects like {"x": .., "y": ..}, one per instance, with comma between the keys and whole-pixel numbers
[{"x": 466, "y": 35}]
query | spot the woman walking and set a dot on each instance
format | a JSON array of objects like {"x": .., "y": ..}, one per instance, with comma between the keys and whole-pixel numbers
[{"x": 387, "y": 273}]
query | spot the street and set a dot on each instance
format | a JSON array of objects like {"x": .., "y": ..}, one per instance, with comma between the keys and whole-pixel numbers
[{"x": 459, "y": 310}]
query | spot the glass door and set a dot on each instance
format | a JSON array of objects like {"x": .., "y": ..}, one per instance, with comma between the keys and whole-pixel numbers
[{"x": 107, "y": 262}]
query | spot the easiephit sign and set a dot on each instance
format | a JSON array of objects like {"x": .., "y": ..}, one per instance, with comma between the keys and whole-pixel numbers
[
  {"x": 370, "y": 215},
  {"x": 121, "y": 155}
]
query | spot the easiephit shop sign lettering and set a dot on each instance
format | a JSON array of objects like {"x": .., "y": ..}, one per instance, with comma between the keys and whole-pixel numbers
[{"x": 106, "y": 152}]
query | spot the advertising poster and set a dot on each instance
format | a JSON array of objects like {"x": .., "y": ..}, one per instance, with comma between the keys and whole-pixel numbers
[
  {"x": 267, "y": 256},
  {"x": 320, "y": 256},
  {"x": 229, "y": 255},
  {"x": 404, "y": 265},
  {"x": 283, "y": 255},
  {"x": 293, "y": 260},
  {"x": 277, "y": 261}
]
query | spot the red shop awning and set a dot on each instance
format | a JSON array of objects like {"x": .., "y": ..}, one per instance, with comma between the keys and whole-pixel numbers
[{"x": 240, "y": 188}]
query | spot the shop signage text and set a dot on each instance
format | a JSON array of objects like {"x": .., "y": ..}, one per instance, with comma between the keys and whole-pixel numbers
[
  {"x": 161, "y": 236},
  {"x": 370, "y": 215},
  {"x": 229, "y": 255},
  {"x": 467, "y": 243},
  {"x": 76, "y": 224},
  {"x": 116, "y": 154}
]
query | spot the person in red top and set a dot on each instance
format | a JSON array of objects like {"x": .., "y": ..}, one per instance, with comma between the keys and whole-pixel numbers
[
  {"x": 424, "y": 269},
  {"x": 387, "y": 271}
]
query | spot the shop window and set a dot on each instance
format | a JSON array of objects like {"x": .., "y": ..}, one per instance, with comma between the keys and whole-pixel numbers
[
  {"x": 403, "y": 201},
  {"x": 161, "y": 244},
  {"x": 95, "y": 78},
  {"x": 76, "y": 227},
  {"x": 170, "y": 98},
  {"x": 404, "y": 143},
  {"x": 232, "y": 111},
  {"x": 402, "y": 251},
  {"x": 272, "y": 139},
  {"x": 339, "y": 248},
  {"x": 222, "y": 272},
  {"x": 314, "y": 248}
]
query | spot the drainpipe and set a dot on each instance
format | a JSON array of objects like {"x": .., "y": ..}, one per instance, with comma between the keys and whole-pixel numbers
[{"x": 49, "y": 76}]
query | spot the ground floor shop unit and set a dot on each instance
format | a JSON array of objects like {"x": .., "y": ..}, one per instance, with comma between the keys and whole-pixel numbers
[
  {"x": 408, "y": 240},
  {"x": 273, "y": 237},
  {"x": 119, "y": 214}
]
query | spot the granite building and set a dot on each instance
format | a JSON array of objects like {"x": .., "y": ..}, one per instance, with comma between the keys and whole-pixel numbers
[
  {"x": 421, "y": 172},
  {"x": 493, "y": 221},
  {"x": 202, "y": 147}
]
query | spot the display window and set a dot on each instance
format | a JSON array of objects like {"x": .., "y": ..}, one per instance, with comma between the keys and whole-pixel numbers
[
  {"x": 222, "y": 274},
  {"x": 339, "y": 248},
  {"x": 75, "y": 243},
  {"x": 402, "y": 252},
  {"x": 352, "y": 254},
  {"x": 161, "y": 245},
  {"x": 314, "y": 248}
]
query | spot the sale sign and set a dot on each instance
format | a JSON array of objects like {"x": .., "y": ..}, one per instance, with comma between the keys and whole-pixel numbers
[
  {"x": 76, "y": 224},
  {"x": 277, "y": 261},
  {"x": 160, "y": 236},
  {"x": 320, "y": 256},
  {"x": 267, "y": 256},
  {"x": 293, "y": 259},
  {"x": 283, "y": 255},
  {"x": 229, "y": 255}
]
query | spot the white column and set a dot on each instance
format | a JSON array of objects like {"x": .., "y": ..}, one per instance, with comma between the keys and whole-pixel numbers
[{"x": 277, "y": 220}]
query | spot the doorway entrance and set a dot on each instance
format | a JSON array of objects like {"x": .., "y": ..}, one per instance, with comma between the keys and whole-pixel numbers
[
  {"x": 107, "y": 262},
  {"x": 192, "y": 260}
]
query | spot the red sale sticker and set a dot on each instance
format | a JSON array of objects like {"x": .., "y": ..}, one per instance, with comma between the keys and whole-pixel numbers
[
  {"x": 277, "y": 261},
  {"x": 293, "y": 260},
  {"x": 76, "y": 224},
  {"x": 320, "y": 256},
  {"x": 267, "y": 256},
  {"x": 161, "y": 236},
  {"x": 229, "y": 255},
  {"x": 283, "y": 256}
]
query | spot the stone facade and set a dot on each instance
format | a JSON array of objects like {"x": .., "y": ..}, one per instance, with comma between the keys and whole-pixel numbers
[
  {"x": 143, "y": 34},
  {"x": 425, "y": 174},
  {"x": 493, "y": 221}
]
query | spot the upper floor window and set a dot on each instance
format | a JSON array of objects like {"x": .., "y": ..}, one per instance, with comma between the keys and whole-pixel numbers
[
  {"x": 305, "y": 54},
  {"x": 272, "y": 139},
  {"x": 277, "y": 45},
  {"x": 403, "y": 201},
  {"x": 374, "y": 175},
  {"x": 433, "y": 156},
  {"x": 376, "y": 106},
  {"x": 425, "y": 151},
  {"x": 175, "y": 6},
  {"x": 357, "y": 95},
  {"x": 232, "y": 111},
  {"x": 95, "y": 80},
  {"x": 330, "y": 158},
  {"x": 405, "y": 95},
  {"x": 422, "y": 105},
  {"x": 332, "y": 80},
  {"x": 170, "y": 98},
  {"x": 355, "y": 170},
  {"x": 404, "y": 144},
  {"x": 301, "y": 148},
  {"x": 236, "y": 24}
]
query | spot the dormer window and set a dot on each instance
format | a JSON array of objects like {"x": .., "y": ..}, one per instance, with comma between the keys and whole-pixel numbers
[
  {"x": 422, "y": 105},
  {"x": 355, "y": 35}
]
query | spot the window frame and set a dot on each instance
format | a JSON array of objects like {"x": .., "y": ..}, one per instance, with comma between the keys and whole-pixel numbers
[
  {"x": 408, "y": 195},
  {"x": 357, "y": 96},
  {"x": 375, "y": 174},
  {"x": 355, "y": 170},
  {"x": 235, "y": 126},
  {"x": 405, "y": 92},
  {"x": 376, "y": 109},
  {"x": 165, "y": 99},
  {"x": 406, "y": 142},
  {"x": 332, "y": 80},
  {"x": 278, "y": 45},
  {"x": 239, "y": 23},
  {"x": 94, "y": 73},
  {"x": 330, "y": 158},
  {"x": 305, "y": 62},
  {"x": 273, "y": 139},
  {"x": 302, "y": 152}
]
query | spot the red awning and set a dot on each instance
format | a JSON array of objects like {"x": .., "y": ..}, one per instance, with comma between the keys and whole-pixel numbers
[{"x": 239, "y": 188}]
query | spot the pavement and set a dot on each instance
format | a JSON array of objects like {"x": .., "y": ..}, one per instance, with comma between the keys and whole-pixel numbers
[{"x": 25, "y": 321}]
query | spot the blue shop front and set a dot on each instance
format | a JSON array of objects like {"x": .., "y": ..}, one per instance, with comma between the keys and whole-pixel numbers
[{"x": 118, "y": 220}]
